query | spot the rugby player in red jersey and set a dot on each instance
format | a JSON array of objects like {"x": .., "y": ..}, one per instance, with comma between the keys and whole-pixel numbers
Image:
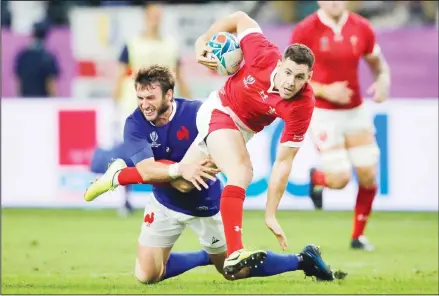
[{"x": 341, "y": 128}]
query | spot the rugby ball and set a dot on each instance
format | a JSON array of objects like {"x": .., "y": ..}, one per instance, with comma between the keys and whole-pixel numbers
[{"x": 227, "y": 52}]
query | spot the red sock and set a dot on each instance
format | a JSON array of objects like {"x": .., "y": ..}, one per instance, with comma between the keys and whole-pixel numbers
[
  {"x": 231, "y": 207},
  {"x": 363, "y": 207},
  {"x": 131, "y": 175},
  {"x": 318, "y": 178}
]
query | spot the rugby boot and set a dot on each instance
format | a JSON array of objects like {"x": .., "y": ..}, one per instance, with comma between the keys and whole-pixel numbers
[
  {"x": 315, "y": 192},
  {"x": 313, "y": 265},
  {"x": 105, "y": 182},
  {"x": 361, "y": 243},
  {"x": 243, "y": 258}
]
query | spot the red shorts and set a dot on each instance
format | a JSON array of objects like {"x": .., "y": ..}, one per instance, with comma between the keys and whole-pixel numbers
[{"x": 213, "y": 116}]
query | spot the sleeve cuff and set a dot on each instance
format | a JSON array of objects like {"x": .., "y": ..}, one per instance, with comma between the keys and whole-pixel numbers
[
  {"x": 291, "y": 144},
  {"x": 247, "y": 32},
  {"x": 141, "y": 155}
]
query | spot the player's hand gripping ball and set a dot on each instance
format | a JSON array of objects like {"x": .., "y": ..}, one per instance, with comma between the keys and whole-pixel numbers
[{"x": 227, "y": 52}]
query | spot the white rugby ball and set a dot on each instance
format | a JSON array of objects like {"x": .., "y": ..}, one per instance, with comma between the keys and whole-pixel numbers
[{"x": 227, "y": 52}]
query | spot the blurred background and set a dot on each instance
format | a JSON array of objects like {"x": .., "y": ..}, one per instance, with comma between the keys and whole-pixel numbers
[{"x": 60, "y": 104}]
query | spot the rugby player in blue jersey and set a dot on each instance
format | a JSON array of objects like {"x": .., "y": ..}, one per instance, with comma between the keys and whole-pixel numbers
[{"x": 156, "y": 137}]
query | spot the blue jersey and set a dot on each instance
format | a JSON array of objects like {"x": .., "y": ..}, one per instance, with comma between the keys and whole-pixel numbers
[{"x": 143, "y": 140}]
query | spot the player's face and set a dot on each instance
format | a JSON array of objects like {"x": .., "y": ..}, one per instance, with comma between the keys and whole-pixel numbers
[
  {"x": 333, "y": 8},
  {"x": 153, "y": 14},
  {"x": 290, "y": 78},
  {"x": 152, "y": 102}
]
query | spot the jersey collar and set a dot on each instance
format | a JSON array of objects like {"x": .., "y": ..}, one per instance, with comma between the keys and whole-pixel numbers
[
  {"x": 335, "y": 27},
  {"x": 271, "y": 88}
]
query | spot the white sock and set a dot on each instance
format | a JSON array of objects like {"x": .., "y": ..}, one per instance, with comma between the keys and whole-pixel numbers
[{"x": 115, "y": 179}]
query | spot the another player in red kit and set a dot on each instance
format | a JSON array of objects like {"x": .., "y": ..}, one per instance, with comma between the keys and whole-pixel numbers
[
  {"x": 269, "y": 85},
  {"x": 341, "y": 128}
]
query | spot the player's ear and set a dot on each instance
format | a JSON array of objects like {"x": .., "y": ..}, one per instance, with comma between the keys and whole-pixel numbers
[
  {"x": 279, "y": 62},
  {"x": 169, "y": 94}
]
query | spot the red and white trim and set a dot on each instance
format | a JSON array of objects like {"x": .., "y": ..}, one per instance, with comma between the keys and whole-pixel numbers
[
  {"x": 375, "y": 52},
  {"x": 292, "y": 144},
  {"x": 249, "y": 31}
]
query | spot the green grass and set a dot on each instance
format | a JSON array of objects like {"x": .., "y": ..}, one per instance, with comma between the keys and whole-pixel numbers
[{"x": 92, "y": 252}]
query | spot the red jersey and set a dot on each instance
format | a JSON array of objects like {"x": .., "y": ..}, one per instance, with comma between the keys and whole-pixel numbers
[
  {"x": 250, "y": 93},
  {"x": 337, "y": 49}
]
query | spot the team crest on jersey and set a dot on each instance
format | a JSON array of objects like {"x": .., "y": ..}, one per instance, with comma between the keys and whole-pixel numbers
[
  {"x": 248, "y": 80},
  {"x": 154, "y": 137}
]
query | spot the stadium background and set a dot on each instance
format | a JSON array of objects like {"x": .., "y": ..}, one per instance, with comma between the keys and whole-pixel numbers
[{"x": 47, "y": 142}]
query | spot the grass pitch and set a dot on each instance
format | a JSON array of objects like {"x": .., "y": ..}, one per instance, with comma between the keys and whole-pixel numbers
[{"x": 93, "y": 252}]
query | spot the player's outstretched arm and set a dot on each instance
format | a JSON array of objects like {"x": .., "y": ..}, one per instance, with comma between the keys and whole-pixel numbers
[
  {"x": 276, "y": 188},
  {"x": 157, "y": 172},
  {"x": 137, "y": 148}
]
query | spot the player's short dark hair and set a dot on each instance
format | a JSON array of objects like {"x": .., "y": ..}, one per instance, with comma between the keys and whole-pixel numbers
[
  {"x": 300, "y": 54},
  {"x": 156, "y": 74}
]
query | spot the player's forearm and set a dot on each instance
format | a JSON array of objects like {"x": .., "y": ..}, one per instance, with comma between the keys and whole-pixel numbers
[
  {"x": 156, "y": 172},
  {"x": 229, "y": 24},
  {"x": 276, "y": 188},
  {"x": 319, "y": 89},
  {"x": 380, "y": 70}
]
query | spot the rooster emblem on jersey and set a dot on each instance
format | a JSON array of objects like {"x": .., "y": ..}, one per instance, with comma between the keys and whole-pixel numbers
[{"x": 149, "y": 218}]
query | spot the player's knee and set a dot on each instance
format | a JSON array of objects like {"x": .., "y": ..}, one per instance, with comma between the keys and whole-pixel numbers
[
  {"x": 241, "y": 174},
  {"x": 148, "y": 276},
  {"x": 336, "y": 165},
  {"x": 366, "y": 176},
  {"x": 338, "y": 180},
  {"x": 364, "y": 159}
]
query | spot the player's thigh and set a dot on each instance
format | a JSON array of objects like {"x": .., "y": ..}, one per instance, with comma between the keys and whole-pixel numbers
[
  {"x": 160, "y": 230},
  {"x": 228, "y": 150},
  {"x": 361, "y": 145},
  {"x": 210, "y": 233},
  {"x": 327, "y": 135},
  {"x": 193, "y": 154}
]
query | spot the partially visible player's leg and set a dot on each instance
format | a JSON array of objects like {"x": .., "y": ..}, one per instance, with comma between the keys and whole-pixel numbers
[
  {"x": 336, "y": 170},
  {"x": 155, "y": 261},
  {"x": 364, "y": 155}
]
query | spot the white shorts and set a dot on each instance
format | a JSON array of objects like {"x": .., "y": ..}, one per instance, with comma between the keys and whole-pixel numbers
[
  {"x": 162, "y": 227},
  {"x": 328, "y": 128},
  {"x": 208, "y": 121}
]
